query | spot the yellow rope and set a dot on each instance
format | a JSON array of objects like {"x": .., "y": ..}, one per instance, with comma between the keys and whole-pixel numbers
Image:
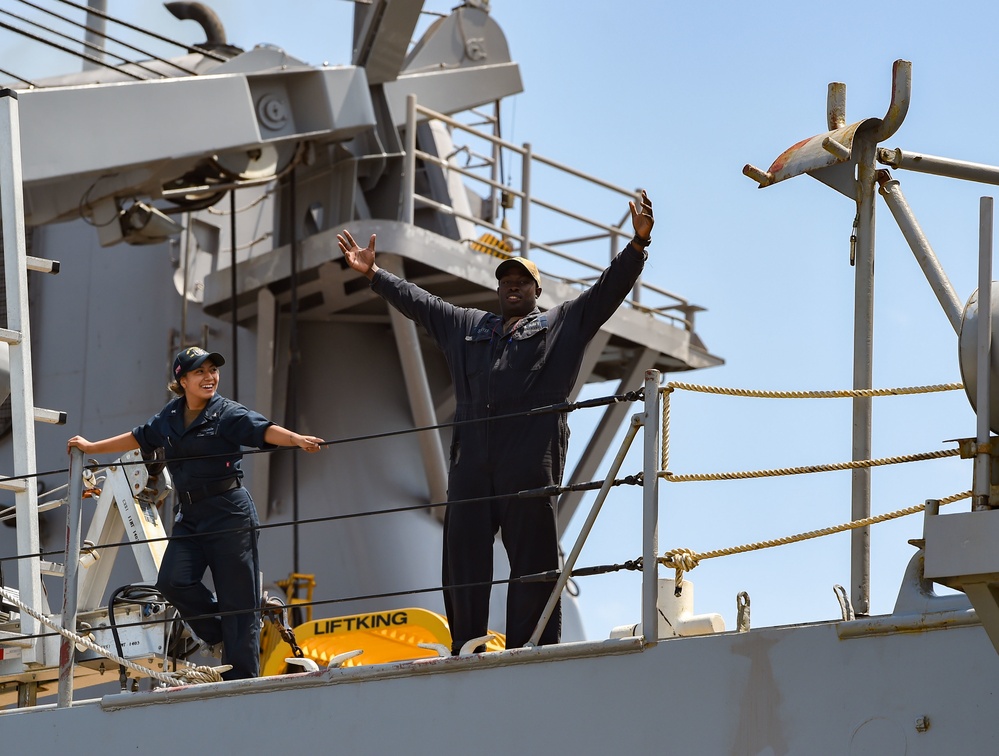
[
  {"x": 665, "y": 429},
  {"x": 684, "y": 560},
  {"x": 854, "y": 465},
  {"x": 812, "y": 394},
  {"x": 180, "y": 677}
]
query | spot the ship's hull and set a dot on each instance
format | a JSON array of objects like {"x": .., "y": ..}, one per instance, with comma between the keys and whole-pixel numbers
[{"x": 812, "y": 689}]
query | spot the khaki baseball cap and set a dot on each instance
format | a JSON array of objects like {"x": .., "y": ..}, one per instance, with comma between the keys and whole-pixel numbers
[{"x": 505, "y": 267}]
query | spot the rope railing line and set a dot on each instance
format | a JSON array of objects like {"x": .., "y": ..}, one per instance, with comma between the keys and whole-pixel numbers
[
  {"x": 180, "y": 677},
  {"x": 672, "y": 386},
  {"x": 683, "y": 560},
  {"x": 831, "y": 394},
  {"x": 592, "y": 485},
  {"x": 665, "y": 430},
  {"x": 854, "y": 465}
]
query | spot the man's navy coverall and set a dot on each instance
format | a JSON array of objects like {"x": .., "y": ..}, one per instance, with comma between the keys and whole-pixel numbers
[{"x": 494, "y": 374}]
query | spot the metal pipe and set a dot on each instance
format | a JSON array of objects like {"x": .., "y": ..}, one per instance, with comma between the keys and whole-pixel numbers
[
  {"x": 428, "y": 157},
  {"x": 494, "y": 172},
  {"x": 294, "y": 363},
  {"x": 901, "y": 89},
  {"x": 895, "y": 624},
  {"x": 96, "y": 27},
  {"x": 584, "y": 532},
  {"x": 71, "y": 583},
  {"x": 148, "y": 33},
  {"x": 920, "y": 246},
  {"x": 421, "y": 404},
  {"x": 407, "y": 208},
  {"x": 836, "y": 149},
  {"x": 433, "y": 114},
  {"x": 525, "y": 208},
  {"x": 232, "y": 296},
  {"x": 863, "y": 360},
  {"x": 931, "y": 508},
  {"x": 939, "y": 166},
  {"x": 651, "y": 419},
  {"x": 836, "y": 105},
  {"x": 980, "y": 500}
]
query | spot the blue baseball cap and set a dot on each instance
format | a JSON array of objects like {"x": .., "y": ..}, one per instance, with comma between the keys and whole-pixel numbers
[{"x": 192, "y": 357}]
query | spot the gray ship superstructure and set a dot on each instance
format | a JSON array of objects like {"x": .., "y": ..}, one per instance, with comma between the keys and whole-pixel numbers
[{"x": 238, "y": 209}]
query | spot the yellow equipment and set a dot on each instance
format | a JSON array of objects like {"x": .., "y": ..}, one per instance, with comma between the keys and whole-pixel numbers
[{"x": 392, "y": 635}]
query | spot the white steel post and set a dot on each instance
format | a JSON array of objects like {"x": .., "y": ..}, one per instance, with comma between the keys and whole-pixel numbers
[
  {"x": 71, "y": 581},
  {"x": 408, "y": 209},
  {"x": 863, "y": 373},
  {"x": 650, "y": 516},
  {"x": 525, "y": 207},
  {"x": 21, "y": 390},
  {"x": 983, "y": 464}
]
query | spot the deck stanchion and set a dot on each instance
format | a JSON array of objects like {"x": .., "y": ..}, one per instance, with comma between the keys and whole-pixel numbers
[
  {"x": 983, "y": 466},
  {"x": 29, "y": 579},
  {"x": 650, "y": 517},
  {"x": 71, "y": 583}
]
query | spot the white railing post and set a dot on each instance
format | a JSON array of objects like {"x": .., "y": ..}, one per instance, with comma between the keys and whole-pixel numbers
[
  {"x": 21, "y": 389},
  {"x": 71, "y": 583},
  {"x": 525, "y": 208},
  {"x": 983, "y": 460},
  {"x": 650, "y": 509},
  {"x": 408, "y": 208}
]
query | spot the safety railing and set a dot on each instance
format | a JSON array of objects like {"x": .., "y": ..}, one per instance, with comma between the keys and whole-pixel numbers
[
  {"x": 653, "y": 424},
  {"x": 524, "y": 237}
]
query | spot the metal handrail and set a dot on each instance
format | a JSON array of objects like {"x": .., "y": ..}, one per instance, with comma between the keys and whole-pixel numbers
[
  {"x": 528, "y": 202},
  {"x": 682, "y": 304}
]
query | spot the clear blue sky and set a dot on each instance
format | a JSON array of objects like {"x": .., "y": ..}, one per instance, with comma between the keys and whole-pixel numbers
[{"x": 677, "y": 97}]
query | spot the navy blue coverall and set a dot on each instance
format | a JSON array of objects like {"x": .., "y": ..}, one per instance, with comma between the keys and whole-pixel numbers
[
  {"x": 533, "y": 366},
  {"x": 211, "y": 501}
]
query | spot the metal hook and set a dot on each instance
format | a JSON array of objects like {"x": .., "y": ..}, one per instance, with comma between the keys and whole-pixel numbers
[{"x": 901, "y": 89}]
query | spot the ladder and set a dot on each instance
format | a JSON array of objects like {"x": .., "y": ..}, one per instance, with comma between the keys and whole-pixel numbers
[{"x": 15, "y": 339}]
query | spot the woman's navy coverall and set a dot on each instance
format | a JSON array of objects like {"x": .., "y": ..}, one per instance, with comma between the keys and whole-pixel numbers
[
  {"x": 533, "y": 366},
  {"x": 212, "y": 503}
]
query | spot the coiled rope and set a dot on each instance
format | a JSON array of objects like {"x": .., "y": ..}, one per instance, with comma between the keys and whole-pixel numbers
[{"x": 186, "y": 676}]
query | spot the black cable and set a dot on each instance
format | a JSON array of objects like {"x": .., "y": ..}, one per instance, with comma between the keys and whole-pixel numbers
[
  {"x": 133, "y": 27},
  {"x": 540, "y": 577},
  {"x": 122, "y": 669},
  {"x": 531, "y": 493},
  {"x": 560, "y": 407},
  {"x": 30, "y": 83},
  {"x": 68, "y": 50},
  {"x": 88, "y": 45}
]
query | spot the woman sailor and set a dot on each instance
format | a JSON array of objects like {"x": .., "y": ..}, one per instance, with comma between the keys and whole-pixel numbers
[{"x": 202, "y": 434}]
